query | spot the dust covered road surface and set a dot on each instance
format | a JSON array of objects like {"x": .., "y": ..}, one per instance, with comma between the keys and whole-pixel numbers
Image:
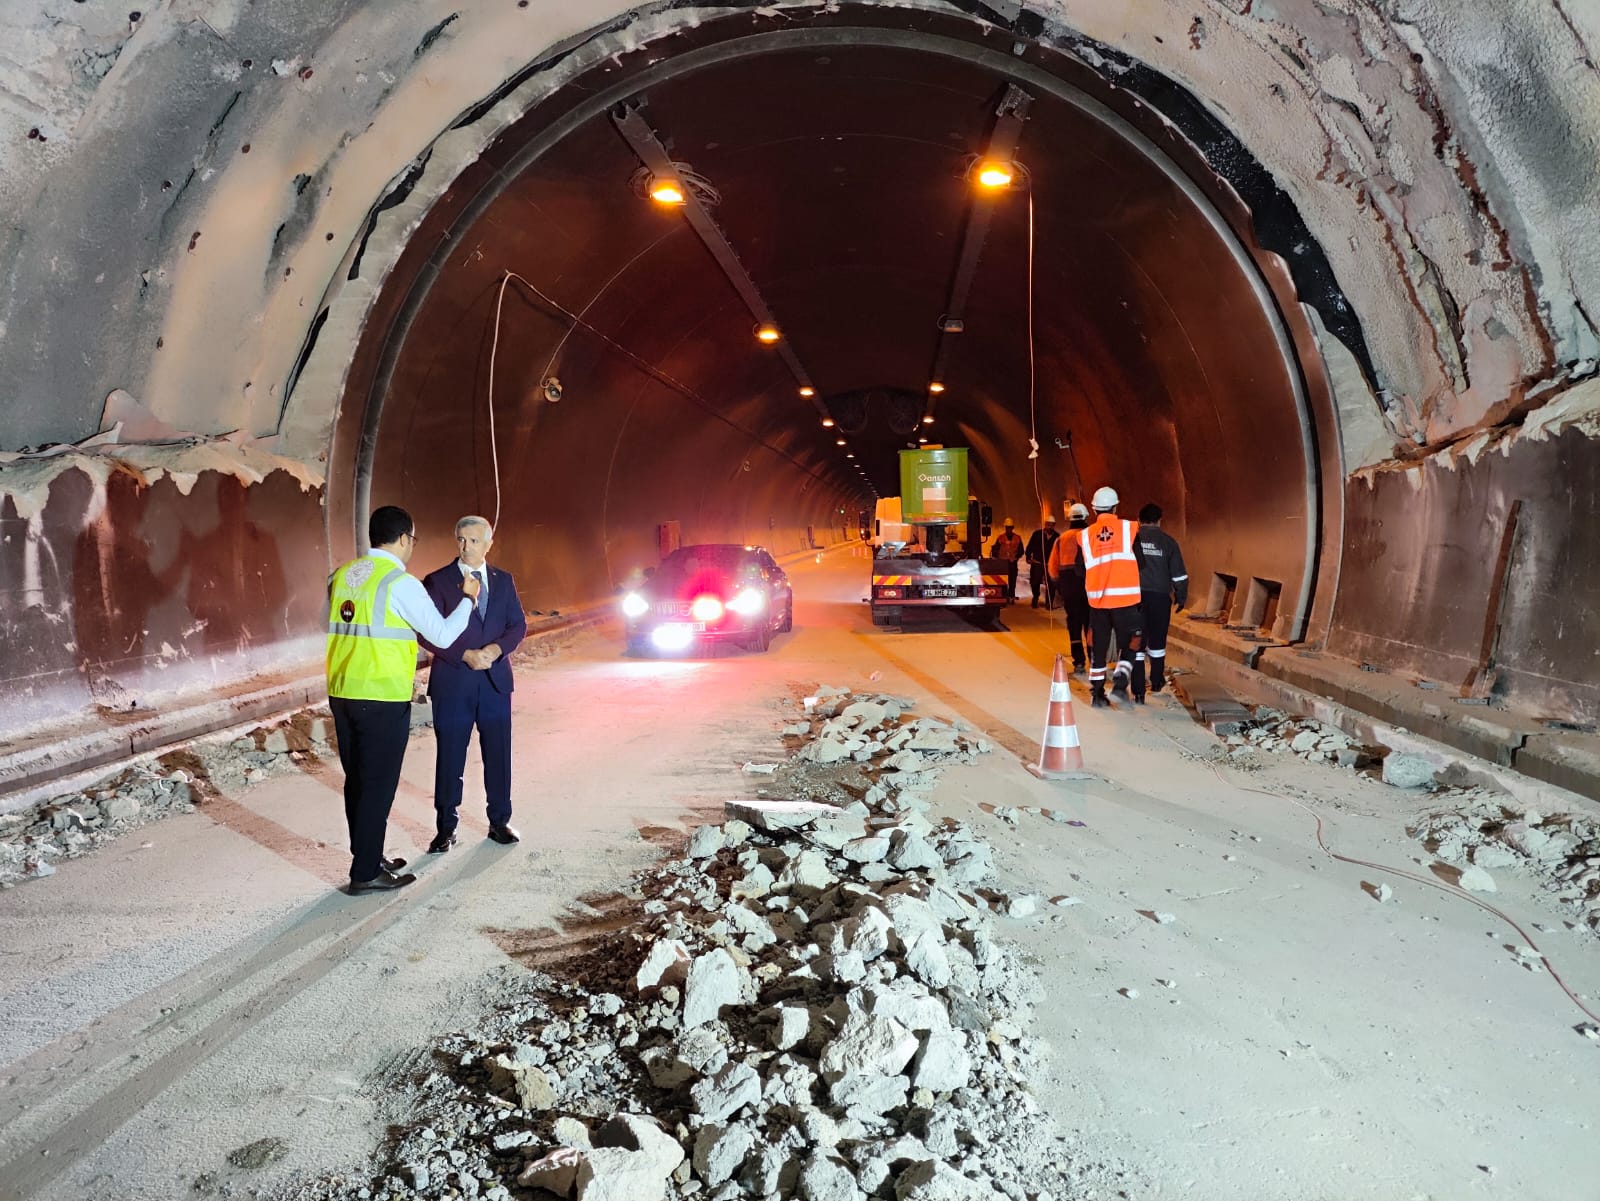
[{"x": 1229, "y": 1011}]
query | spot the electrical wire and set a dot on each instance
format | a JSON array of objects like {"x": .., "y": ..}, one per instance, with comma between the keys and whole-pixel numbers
[
  {"x": 1413, "y": 877},
  {"x": 654, "y": 372}
]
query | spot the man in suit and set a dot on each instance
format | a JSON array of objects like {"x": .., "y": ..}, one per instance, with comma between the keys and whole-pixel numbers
[{"x": 470, "y": 685}]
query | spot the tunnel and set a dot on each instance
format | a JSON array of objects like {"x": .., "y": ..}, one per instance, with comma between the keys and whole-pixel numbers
[
  {"x": 1342, "y": 338},
  {"x": 1318, "y": 278}
]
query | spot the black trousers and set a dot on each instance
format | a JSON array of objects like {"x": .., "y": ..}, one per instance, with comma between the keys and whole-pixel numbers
[
  {"x": 453, "y": 721},
  {"x": 1037, "y": 582},
  {"x": 1076, "y": 603},
  {"x": 1011, "y": 579},
  {"x": 1157, "y": 609},
  {"x": 372, "y": 745},
  {"x": 1128, "y": 623}
]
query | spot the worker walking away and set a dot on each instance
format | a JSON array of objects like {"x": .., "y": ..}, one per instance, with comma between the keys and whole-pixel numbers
[
  {"x": 1163, "y": 581},
  {"x": 1008, "y": 546},
  {"x": 1111, "y": 582},
  {"x": 1066, "y": 581},
  {"x": 1040, "y": 543}
]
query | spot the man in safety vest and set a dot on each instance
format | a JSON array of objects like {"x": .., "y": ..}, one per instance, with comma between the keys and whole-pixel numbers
[
  {"x": 1111, "y": 581},
  {"x": 375, "y": 612}
]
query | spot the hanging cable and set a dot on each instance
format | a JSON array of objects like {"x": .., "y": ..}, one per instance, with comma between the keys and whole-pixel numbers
[{"x": 494, "y": 447}]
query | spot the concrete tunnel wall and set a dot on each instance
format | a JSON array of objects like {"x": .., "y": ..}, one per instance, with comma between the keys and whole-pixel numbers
[{"x": 230, "y": 206}]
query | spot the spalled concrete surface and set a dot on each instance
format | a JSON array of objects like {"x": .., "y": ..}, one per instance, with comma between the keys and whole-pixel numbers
[{"x": 1322, "y": 1041}]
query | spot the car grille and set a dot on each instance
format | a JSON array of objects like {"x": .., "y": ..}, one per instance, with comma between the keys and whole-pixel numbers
[{"x": 672, "y": 608}]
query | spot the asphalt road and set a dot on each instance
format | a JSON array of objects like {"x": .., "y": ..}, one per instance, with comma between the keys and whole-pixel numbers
[{"x": 200, "y": 983}]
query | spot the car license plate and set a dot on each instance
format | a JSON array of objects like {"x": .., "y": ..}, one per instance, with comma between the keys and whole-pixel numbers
[
  {"x": 938, "y": 592},
  {"x": 686, "y": 627}
]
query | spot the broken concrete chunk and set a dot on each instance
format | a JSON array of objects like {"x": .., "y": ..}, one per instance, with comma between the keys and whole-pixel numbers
[
  {"x": 866, "y": 850},
  {"x": 807, "y": 873},
  {"x": 715, "y": 980},
  {"x": 556, "y": 1172},
  {"x": 934, "y": 1180},
  {"x": 868, "y": 1044},
  {"x": 1407, "y": 771},
  {"x": 720, "y": 1151},
  {"x": 705, "y": 842},
  {"x": 725, "y": 1092},
  {"x": 667, "y": 963},
  {"x": 775, "y": 816},
  {"x": 1475, "y": 879},
  {"x": 942, "y": 1065},
  {"x": 794, "y": 1023}
]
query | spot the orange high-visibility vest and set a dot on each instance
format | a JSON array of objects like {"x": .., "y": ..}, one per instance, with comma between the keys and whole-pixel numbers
[{"x": 1110, "y": 568}]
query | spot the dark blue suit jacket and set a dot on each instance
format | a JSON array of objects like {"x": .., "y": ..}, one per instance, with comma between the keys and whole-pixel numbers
[{"x": 504, "y": 624}]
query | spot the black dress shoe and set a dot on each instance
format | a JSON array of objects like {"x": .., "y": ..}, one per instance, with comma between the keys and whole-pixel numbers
[
  {"x": 382, "y": 882},
  {"x": 442, "y": 842},
  {"x": 392, "y": 865},
  {"x": 504, "y": 835}
]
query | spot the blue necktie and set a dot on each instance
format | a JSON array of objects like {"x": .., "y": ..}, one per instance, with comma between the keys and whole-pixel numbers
[{"x": 483, "y": 593}]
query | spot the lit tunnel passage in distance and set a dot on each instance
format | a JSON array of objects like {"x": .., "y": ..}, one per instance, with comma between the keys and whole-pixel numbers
[{"x": 840, "y": 165}]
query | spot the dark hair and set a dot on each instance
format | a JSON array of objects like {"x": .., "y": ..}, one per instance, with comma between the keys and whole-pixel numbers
[
  {"x": 1150, "y": 514},
  {"x": 387, "y": 524}
]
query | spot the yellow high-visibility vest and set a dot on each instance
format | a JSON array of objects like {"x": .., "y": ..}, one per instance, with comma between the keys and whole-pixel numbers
[{"x": 372, "y": 654}]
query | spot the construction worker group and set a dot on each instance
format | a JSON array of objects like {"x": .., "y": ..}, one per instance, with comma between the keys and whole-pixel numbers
[{"x": 1113, "y": 577}]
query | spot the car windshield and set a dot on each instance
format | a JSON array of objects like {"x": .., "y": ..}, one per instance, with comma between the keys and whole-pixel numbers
[{"x": 705, "y": 563}]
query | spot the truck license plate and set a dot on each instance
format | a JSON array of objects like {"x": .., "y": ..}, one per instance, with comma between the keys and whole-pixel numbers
[{"x": 938, "y": 592}]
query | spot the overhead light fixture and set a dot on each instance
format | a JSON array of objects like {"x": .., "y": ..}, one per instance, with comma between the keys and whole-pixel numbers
[
  {"x": 849, "y": 455},
  {"x": 827, "y": 423},
  {"x": 839, "y": 442},
  {"x": 936, "y": 387},
  {"x": 995, "y": 174},
  {"x": 928, "y": 420},
  {"x": 921, "y": 439},
  {"x": 767, "y": 334},
  {"x": 666, "y": 191},
  {"x": 808, "y": 391}
]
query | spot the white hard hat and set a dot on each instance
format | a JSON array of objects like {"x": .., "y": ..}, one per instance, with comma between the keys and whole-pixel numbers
[
  {"x": 1105, "y": 499},
  {"x": 1079, "y": 512}
]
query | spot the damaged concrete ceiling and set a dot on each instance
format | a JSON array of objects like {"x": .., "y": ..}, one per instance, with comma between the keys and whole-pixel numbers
[{"x": 209, "y": 171}]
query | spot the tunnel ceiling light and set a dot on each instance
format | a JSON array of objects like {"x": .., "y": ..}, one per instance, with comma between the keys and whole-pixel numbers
[
  {"x": 921, "y": 439},
  {"x": 994, "y": 174},
  {"x": 666, "y": 191},
  {"x": 768, "y": 334},
  {"x": 928, "y": 420},
  {"x": 808, "y": 392},
  {"x": 849, "y": 454},
  {"x": 840, "y": 442},
  {"x": 827, "y": 423},
  {"x": 936, "y": 387}
]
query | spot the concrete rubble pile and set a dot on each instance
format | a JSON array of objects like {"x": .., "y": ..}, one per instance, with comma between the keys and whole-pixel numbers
[
  {"x": 1276, "y": 732},
  {"x": 1484, "y": 832},
  {"x": 74, "y": 824},
  {"x": 812, "y": 1003}
]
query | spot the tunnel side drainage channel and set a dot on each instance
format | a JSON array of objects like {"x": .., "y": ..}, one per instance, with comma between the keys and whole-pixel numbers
[{"x": 811, "y": 1001}]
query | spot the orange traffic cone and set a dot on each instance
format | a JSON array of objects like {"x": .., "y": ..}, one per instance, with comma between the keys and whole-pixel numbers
[{"x": 1061, "y": 757}]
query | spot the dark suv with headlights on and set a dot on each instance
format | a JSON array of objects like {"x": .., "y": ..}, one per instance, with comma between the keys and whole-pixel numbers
[{"x": 708, "y": 592}]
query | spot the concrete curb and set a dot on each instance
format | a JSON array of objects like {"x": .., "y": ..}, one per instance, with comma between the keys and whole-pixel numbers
[{"x": 1568, "y": 773}]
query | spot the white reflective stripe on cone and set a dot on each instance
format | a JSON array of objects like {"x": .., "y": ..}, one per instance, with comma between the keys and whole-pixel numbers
[
  {"x": 1061, "y": 737},
  {"x": 1060, "y": 692}
]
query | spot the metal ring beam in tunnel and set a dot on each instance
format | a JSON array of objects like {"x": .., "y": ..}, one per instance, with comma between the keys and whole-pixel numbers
[{"x": 1003, "y": 65}]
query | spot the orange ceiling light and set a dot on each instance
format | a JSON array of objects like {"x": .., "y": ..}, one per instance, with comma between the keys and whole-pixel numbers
[
  {"x": 928, "y": 420},
  {"x": 808, "y": 392},
  {"x": 995, "y": 175},
  {"x": 827, "y": 423},
  {"x": 767, "y": 334},
  {"x": 936, "y": 387},
  {"x": 666, "y": 191}
]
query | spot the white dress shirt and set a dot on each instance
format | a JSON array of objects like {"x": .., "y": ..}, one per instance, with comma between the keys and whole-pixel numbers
[{"x": 412, "y": 605}]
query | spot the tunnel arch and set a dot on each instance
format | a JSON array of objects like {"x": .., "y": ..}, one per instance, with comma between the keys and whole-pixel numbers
[{"x": 1291, "y": 568}]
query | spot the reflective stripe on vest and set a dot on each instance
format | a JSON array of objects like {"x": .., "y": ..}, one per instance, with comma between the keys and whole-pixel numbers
[
  {"x": 1111, "y": 576},
  {"x": 372, "y": 653}
]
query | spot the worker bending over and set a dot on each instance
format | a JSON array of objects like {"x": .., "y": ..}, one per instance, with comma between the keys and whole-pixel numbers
[{"x": 1111, "y": 582}]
